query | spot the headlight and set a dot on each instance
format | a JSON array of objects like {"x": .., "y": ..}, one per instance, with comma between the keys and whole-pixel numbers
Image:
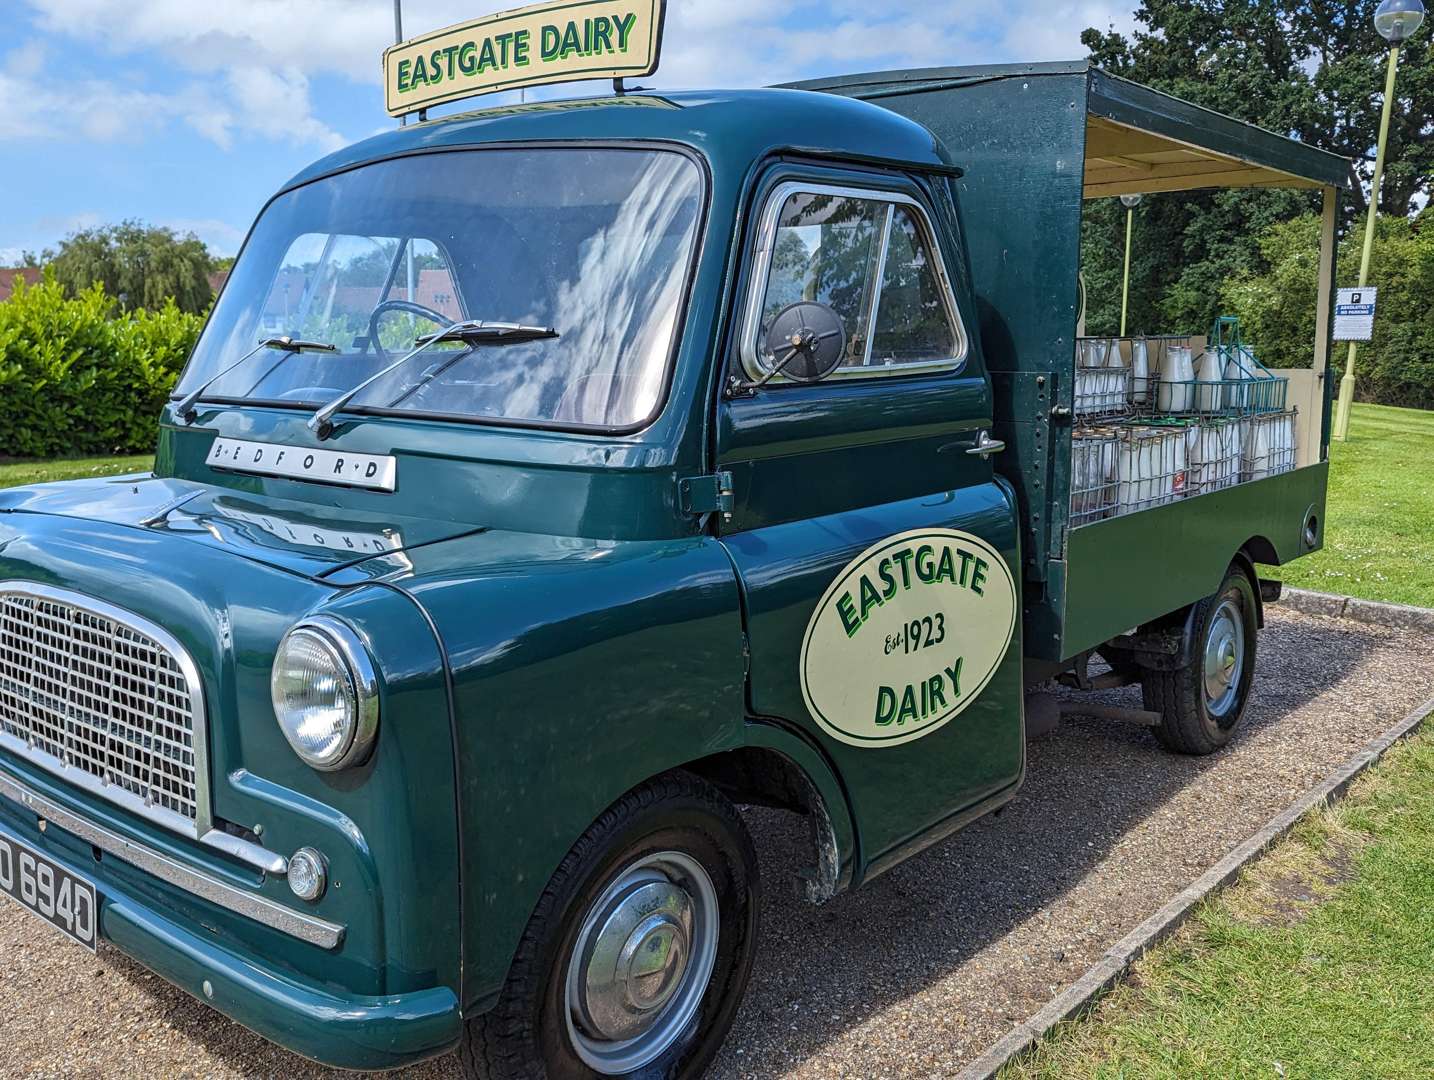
[{"x": 325, "y": 694}]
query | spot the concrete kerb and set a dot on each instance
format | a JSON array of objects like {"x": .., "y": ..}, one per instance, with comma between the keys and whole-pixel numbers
[
  {"x": 1403, "y": 616},
  {"x": 1114, "y": 965}
]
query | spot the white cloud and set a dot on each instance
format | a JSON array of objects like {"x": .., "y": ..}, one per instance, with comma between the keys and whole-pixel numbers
[
  {"x": 95, "y": 108},
  {"x": 711, "y": 42},
  {"x": 331, "y": 36},
  {"x": 246, "y": 64},
  {"x": 748, "y": 42},
  {"x": 243, "y": 65},
  {"x": 43, "y": 231},
  {"x": 221, "y": 237}
]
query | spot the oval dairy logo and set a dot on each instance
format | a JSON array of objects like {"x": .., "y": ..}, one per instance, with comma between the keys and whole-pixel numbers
[{"x": 907, "y": 636}]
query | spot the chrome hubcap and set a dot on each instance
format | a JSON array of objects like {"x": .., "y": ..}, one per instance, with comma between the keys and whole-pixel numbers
[
  {"x": 641, "y": 962},
  {"x": 1224, "y": 658}
]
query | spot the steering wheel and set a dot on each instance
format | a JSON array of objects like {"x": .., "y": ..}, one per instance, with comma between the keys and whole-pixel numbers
[{"x": 409, "y": 306}]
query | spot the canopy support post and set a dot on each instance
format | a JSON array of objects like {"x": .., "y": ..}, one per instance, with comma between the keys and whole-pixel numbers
[{"x": 1326, "y": 280}]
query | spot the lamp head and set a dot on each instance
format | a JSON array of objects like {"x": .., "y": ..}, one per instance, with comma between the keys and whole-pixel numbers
[
  {"x": 1398, "y": 20},
  {"x": 1130, "y": 202}
]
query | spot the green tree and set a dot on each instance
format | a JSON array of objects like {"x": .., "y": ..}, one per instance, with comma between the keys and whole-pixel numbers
[
  {"x": 140, "y": 266},
  {"x": 1277, "y": 307},
  {"x": 1313, "y": 69}
]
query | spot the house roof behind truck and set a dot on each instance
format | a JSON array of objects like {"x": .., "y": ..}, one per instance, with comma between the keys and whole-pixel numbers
[{"x": 729, "y": 126}]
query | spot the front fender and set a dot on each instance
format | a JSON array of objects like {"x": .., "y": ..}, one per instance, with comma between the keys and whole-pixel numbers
[
  {"x": 580, "y": 668},
  {"x": 832, "y": 826}
]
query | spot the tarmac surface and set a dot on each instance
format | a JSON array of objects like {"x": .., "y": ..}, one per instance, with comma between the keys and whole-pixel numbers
[{"x": 912, "y": 975}]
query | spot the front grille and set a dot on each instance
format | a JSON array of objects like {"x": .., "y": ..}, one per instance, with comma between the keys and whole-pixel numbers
[{"x": 102, "y": 699}]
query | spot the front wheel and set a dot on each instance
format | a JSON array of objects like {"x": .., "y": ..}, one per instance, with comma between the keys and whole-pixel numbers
[
  {"x": 1202, "y": 703},
  {"x": 639, "y": 951}
]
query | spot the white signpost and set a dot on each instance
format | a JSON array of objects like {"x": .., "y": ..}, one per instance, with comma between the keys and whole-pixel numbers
[{"x": 1354, "y": 314}]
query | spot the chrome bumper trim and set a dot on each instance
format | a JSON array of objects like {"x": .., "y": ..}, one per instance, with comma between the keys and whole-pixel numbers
[
  {"x": 307, "y": 928},
  {"x": 261, "y": 857}
]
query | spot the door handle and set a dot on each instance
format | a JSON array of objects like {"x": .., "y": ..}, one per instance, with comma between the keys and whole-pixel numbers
[{"x": 986, "y": 446}]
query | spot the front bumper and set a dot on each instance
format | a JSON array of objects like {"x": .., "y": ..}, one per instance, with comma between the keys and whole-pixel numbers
[{"x": 336, "y": 1030}]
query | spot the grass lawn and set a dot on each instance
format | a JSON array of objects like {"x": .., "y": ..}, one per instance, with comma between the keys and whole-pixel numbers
[
  {"x": 1379, "y": 536},
  {"x": 14, "y": 473},
  {"x": 1316, "y": 964}
]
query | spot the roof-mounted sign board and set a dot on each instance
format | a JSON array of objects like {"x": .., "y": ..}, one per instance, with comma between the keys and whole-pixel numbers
[{"x": 546, "y": 43}]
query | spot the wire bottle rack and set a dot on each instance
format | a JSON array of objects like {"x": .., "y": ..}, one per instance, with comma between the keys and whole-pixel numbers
[
  {"x": 1224, "y": 380},
  {"x": 1095, "y": 487},
  {"x": 1268, "y": 447},
  {"x": 1156, "y": 422},
  {"x": 1102, "y": 381},
  {"x": 1163, "y": 375}
]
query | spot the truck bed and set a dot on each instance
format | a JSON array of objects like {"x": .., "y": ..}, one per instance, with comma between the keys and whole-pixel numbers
[{"x": 1034, "y": 142}]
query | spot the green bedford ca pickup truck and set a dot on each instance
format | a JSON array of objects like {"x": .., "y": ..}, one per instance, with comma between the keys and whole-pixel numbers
[{"x": 550, "y": 481}]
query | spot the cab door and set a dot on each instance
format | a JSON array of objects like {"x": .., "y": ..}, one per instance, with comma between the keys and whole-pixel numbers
[{"x": 876, "y": 549}]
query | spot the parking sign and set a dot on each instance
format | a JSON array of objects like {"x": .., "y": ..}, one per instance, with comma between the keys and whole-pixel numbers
[{"x": 1354, "y": 314}]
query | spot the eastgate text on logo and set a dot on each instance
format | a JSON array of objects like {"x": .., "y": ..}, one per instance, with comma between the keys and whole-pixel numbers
[
  {"x": 907, "y": 636},
  {"x": 925, "y": 565},
  {"x": 552, "y": 42},
  {"x": 598, "y": 35}
]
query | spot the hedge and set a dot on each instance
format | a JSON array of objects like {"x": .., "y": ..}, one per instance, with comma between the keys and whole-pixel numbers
[
  {"x": 78, "y": 376},
  {"x": 1277, "y": 308}
]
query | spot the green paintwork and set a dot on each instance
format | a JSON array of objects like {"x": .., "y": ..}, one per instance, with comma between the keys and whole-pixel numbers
[
  {"x": 1018, "y": 133},
  {"x": 550, "y": 628},
  {"x": 1201, "y": 534},
  {"x": 391, "y": 845},
  {"x": 1109, "y": 96}
]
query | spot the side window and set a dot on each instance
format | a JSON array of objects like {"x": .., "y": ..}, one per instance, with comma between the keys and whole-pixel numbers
[
  {"x": 828, "y": 249},
  {"x": 913, "y": 321},
  {"x": 871, "y": 259}
]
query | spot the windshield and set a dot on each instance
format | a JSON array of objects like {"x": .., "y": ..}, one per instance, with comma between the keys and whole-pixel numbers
[{"x": 594, "y": 243}]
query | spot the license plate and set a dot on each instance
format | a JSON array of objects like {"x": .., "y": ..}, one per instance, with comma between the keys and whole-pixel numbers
[{"x": 54, "y": 894}]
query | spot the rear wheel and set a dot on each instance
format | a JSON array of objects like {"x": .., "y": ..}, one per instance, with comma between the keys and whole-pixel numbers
[
  {"x": 638, "y": 954},
  {"x": 1203, "y": 702}
]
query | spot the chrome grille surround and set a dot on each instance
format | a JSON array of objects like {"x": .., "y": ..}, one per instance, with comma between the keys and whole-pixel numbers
[{"x": 105, "y": 700}]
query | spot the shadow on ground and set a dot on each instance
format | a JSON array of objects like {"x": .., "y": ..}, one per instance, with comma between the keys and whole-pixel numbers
[{"x": 937, "y": 951}]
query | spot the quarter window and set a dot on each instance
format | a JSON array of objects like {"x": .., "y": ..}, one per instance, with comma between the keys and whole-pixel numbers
[{"x": 872, "y": 260}]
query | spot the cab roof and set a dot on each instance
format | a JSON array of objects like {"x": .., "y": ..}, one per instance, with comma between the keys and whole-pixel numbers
[{"x": 729, "y": 127}]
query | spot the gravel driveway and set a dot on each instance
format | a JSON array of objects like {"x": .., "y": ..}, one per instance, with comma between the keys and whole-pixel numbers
[{"x": 912, "y": 975}]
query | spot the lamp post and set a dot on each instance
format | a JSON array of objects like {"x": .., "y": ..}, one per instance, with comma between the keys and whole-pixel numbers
[
  {"x": 1396, "y": 21},
  {"x": 1130, "y": 202}
]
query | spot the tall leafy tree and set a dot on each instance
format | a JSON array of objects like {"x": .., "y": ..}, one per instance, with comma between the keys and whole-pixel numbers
[
  {"x": 140, "y": 266},
  {"x": 1312, "y": 69}
]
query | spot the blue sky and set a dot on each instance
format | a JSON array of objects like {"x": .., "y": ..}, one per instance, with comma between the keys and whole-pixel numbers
[{"x": 190, "y": 113}]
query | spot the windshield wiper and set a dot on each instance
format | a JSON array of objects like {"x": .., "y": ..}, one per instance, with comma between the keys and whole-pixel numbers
[
  {"x": 185, "y": 409},
  {"x": 472, "y": 332},
  {"x": 477, "y": 331}
]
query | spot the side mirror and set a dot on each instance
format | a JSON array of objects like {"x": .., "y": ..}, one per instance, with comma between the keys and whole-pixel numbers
[{"x": 806, "y": 341}]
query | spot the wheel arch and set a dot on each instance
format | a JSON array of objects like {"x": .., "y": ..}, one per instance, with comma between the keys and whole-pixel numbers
[
  {"x": 1255, "y": 549},
  {"x": 780, "y": 769}
]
